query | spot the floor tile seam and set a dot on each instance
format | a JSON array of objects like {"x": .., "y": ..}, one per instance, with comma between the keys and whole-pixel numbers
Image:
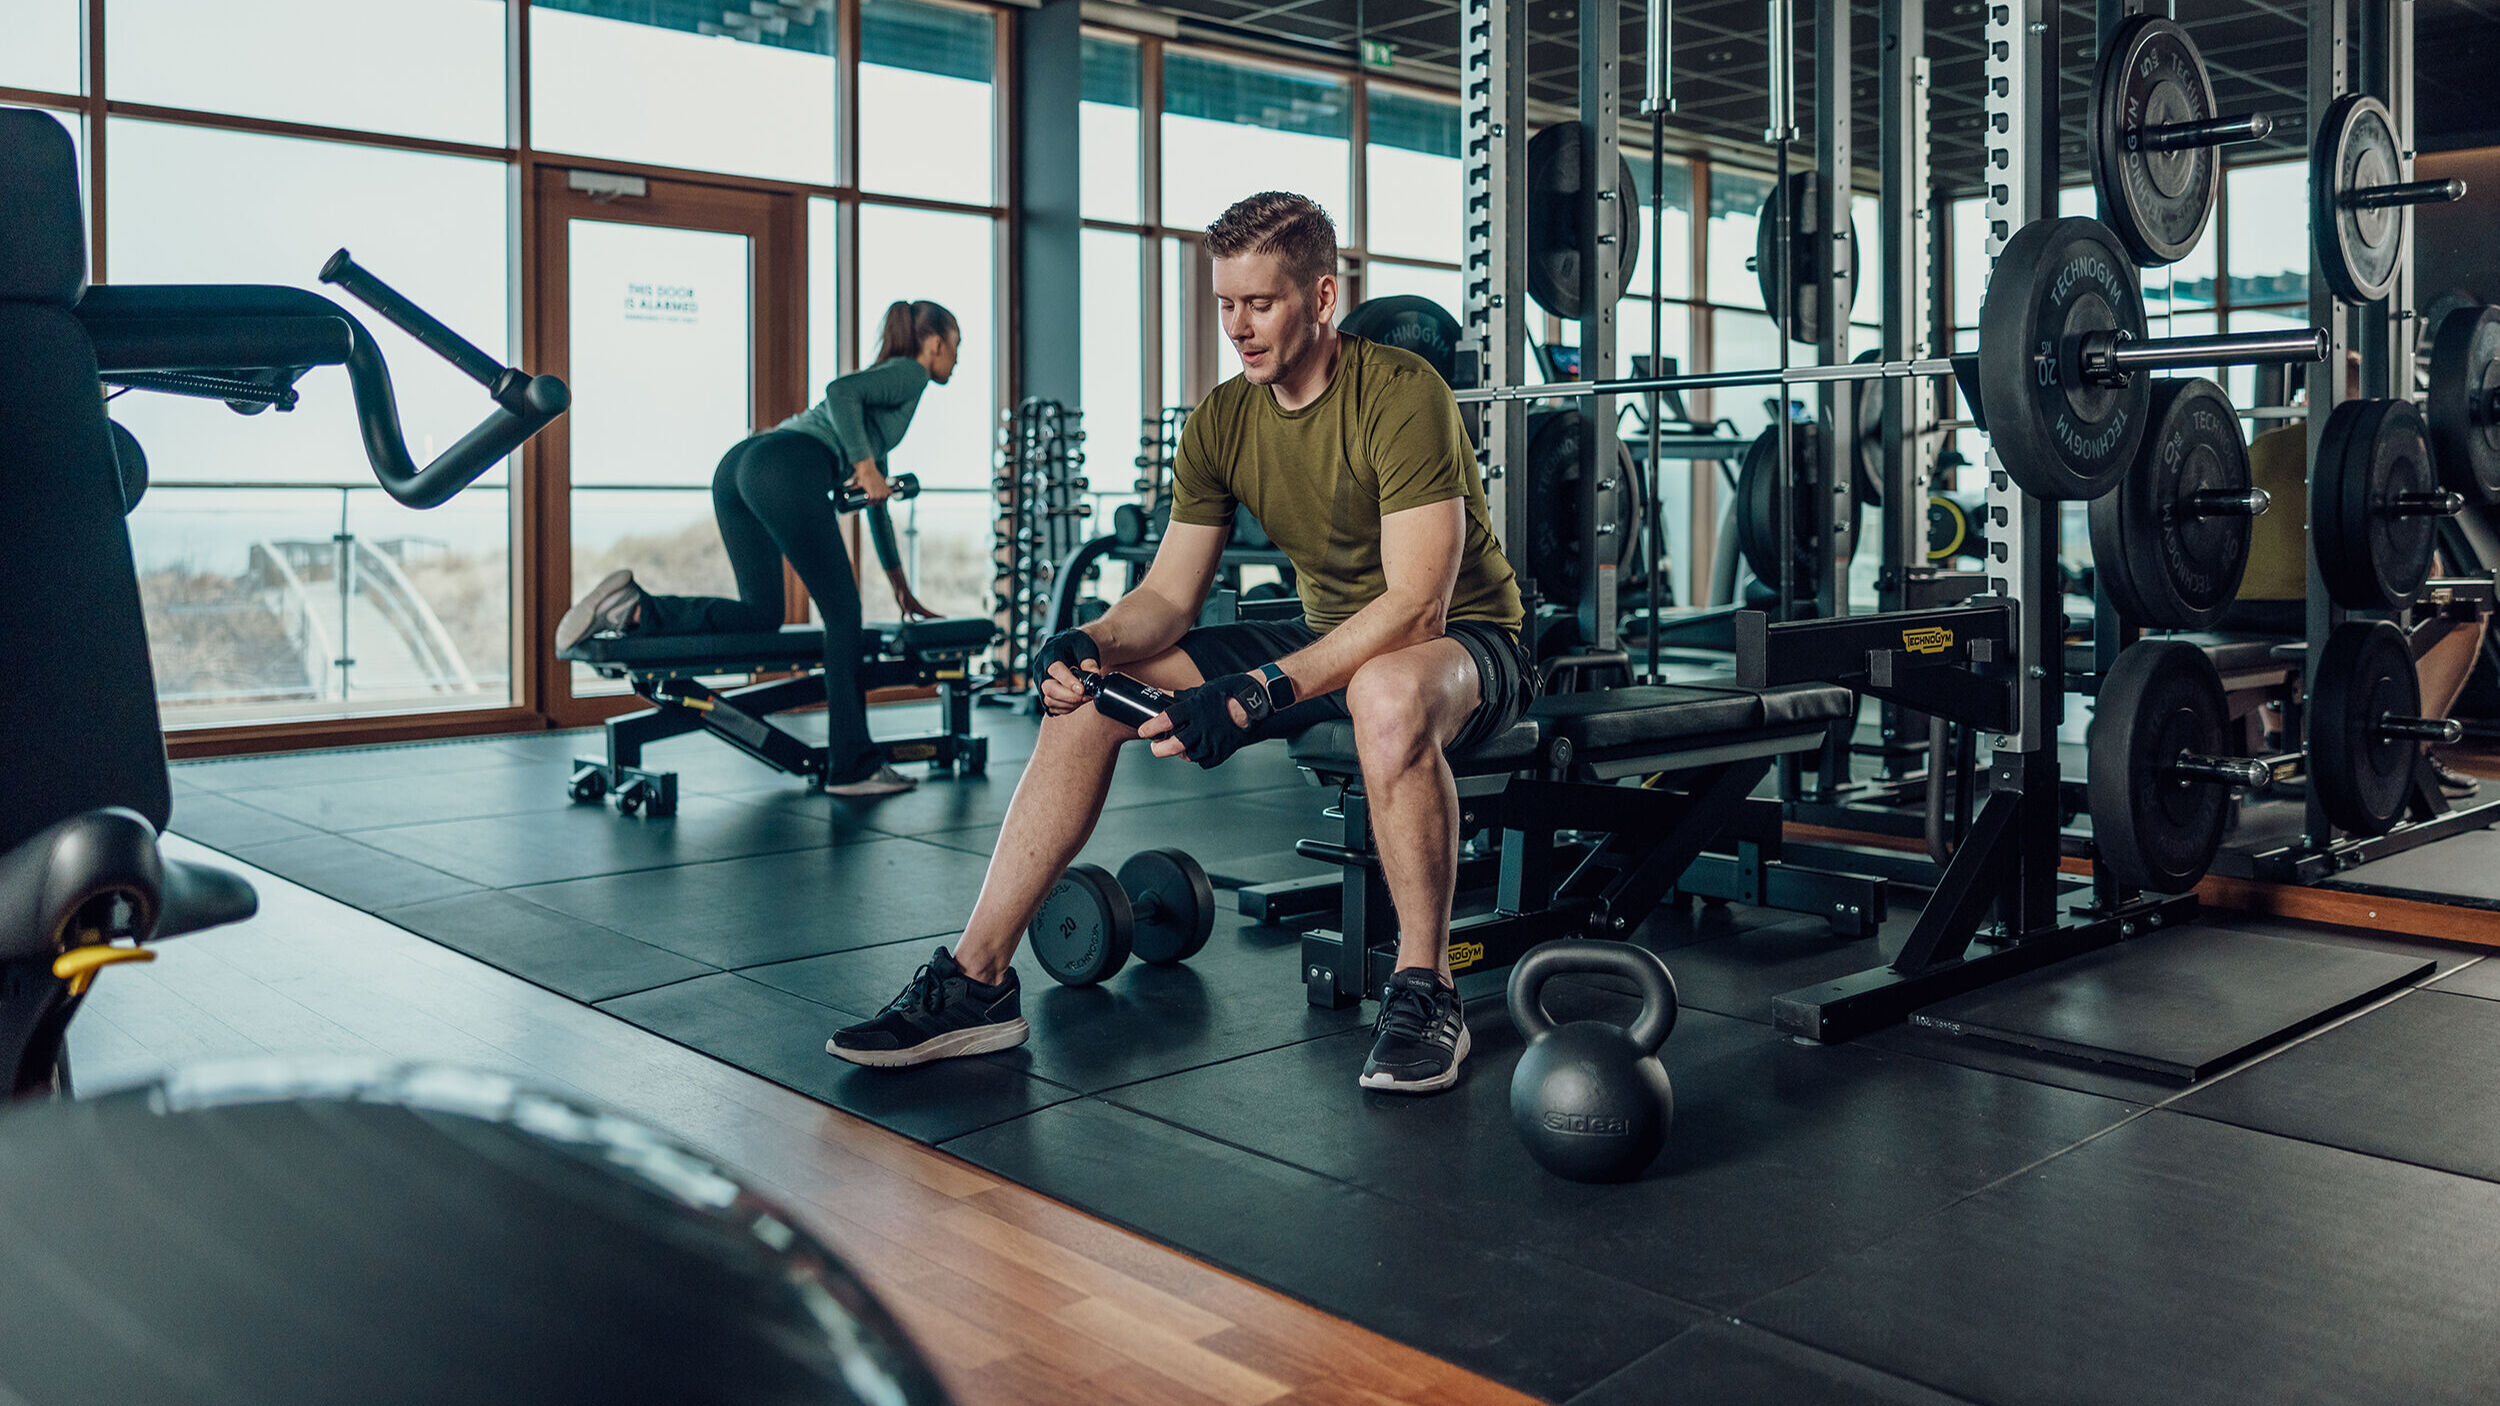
[
  {"x": 2376, "y": 1003},
  {"x": 2283, "y": 1136},
  {"x": 240, "y": 856},
  {"x": 385, "y": 916},
  {"x": 617, "y": 873},
  {"x": 1220, "y": 1061},
  {"x": 1738, "y": 1321},
  {"x": 506, "y": 763}
]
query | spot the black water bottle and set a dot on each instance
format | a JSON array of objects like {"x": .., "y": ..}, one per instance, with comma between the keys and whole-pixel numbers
[{"x": 1119, "y": 696}]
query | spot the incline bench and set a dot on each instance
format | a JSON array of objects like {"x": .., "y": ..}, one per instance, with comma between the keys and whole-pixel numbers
[
  {"x": 667, "y": 670},
  {"x": 1706, "y": 745}
]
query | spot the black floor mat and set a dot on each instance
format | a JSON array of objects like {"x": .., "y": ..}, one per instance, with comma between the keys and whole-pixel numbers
[
  {"x": 2183, "y": 1003},
  {"x": 1538, "y": 1314},
  {"x": 1735, "y": 1364},
  {"x": 2411, "y": 1080},
  {"x": 2480, "y": 978},
  {"x": 564, "y": 954},
  {"x": 2180, "y": 1260},
  {"x": 2462, "y": 870}
]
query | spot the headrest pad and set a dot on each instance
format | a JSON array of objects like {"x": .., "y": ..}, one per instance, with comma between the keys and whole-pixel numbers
[{"x": 43, "y": 242}]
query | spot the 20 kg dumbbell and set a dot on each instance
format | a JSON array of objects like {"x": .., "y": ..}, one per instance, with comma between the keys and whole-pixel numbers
[{"x": 1160, "y": 907}]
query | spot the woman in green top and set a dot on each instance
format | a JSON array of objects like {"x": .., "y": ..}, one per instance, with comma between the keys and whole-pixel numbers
[{"x": 770, "y": 495}]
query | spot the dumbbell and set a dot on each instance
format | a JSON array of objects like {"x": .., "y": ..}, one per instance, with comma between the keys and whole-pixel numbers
[
  {"x": 850, "y": 497},
  {"x": 1161, "y": 907}
]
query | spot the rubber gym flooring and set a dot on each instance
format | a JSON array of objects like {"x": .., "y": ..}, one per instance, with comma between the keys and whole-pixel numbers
[{"x": 1915, "y": 1217}]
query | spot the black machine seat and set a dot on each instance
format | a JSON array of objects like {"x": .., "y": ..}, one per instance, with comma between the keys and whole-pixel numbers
[
  {"x": 793, "y": 647},
  {"x": 1614, "y": 720}
]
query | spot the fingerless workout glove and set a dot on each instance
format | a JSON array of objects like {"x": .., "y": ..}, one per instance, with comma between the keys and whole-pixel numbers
[
  {"x": 1069, "y": 647},
  {"x": 1205, "y": 725}
]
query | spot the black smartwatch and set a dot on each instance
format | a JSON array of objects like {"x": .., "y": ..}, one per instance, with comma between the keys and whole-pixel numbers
[{"x": 1278, "y": 684}]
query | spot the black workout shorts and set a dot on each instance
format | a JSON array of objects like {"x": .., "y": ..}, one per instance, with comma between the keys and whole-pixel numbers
[{"x": 1505, "y": 678}]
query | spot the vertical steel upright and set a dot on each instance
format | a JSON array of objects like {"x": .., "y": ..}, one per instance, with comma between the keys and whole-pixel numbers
[
  {"x": 1836, "y": 507},
  {"x": 1907, "y": 213},
  {"x": 2020, "y": 69},
  {"x": 1601, "y": 287},
  {"x": 1493, "y": 131},
  {"x": 2329, "y": 56},
  {"x": 2382, "y": 66}
]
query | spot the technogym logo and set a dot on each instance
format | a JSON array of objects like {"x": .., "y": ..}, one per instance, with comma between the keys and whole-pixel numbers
[
  {"x": 1934, "y": 639},
  {"x": 1465, "y": 954}
]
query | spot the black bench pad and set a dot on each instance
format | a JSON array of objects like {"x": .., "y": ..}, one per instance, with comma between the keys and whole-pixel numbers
[
  {"x": 795, "y": 646},
  {"x": 1612, "y": 720}
]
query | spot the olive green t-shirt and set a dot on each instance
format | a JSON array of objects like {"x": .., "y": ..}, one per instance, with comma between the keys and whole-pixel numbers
[{"x": 1384, "y": 437}]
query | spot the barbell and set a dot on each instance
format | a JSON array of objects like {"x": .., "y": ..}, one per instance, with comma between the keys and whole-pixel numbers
[{"x": 2068, "y": 408}]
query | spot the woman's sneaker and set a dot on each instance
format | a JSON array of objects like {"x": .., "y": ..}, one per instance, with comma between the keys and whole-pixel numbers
[
  {"x": 884, "y": 781},
  {"x": 941, "y": 1014},
  {"x": 1422, "y": 1035},
  {"x": 608, "y": 608}
]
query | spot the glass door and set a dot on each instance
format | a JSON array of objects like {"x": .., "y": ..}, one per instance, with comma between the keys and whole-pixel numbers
[{"x": 671, "y": 316}]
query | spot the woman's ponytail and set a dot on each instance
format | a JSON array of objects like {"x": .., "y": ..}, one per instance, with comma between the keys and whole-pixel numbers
[{"x": 908, "y": 323}]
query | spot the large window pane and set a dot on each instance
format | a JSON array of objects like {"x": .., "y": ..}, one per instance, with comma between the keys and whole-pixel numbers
[
  {"x": 1114, "y": 370},
  {"x": 426, "y": 68},
  {"x": 1382, "y": 279},
  {"x": 946, "y": 538},
  {"x": 1106, "y": 132},
  {"x": 824, "y": 295},
  {"x": 1414, "y": 176},
  {"x": 947, "y": 258},
  {"x": 1735, "y": 209},
  {"x": 1969, "y": 284},
  {"x": 43, "y": 44},
  {"x": 707, "y": 89},
  {"x": 1230, "y": 130},
  {"x": 1176, "y": 295},
  {"x": 2184, "y": 286},
  {"x": 2268, "y": 206},
  {"x": 225, "y": 565},
  {"x": 925, "y": 121},
  {"x": 1678, "y": 263}
]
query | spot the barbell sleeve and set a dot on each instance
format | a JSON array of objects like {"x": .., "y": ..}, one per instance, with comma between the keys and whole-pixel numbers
[
  {"x": 2441, "y": 502},
  {"x": 1658, "y": 59},
  {"x": 2227, "y": 349},
  {"x": 2217, "y": 131},
  {"x": 2421, "y": 729},
  {"x": 2407, "y": 193},
  {"x": 2220, "y": 502},
  {"x": 2239, "y": 773}
]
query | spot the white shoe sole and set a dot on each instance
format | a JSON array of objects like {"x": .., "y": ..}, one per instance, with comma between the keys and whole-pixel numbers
[
  {"x": 575, "y": 626},
  {"x": 871, "y": 788},
  {"x": 955, "y": 1044},
  {"x": 1390, "y": 1084}
]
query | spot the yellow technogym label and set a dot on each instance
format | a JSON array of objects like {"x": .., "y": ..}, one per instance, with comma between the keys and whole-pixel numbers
[
  {"x": 1934, "y": 639},
  {"x": 1465, "y": 954}
]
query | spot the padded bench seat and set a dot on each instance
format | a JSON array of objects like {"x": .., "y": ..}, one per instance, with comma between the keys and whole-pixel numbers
[
  {"x": 792, "y": 647},
  {"x": 1613, "y": 720}
]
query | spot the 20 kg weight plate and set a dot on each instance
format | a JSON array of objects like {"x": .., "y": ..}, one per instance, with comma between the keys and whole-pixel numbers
[
  {"x": 2363, "y": 778},
  {"x": 1554, "y": 485},
  {"x": 2372, "y": 464},
  {"x": 2462, "y": 409},
  {"x": 1173, "y": 903},
  {"x": 2059, "y": 435},
  {"x": 2169, "y": 563},
  {"x": 2155, "y": 831},
  {"x": 1409, "y": 323},
  {"x": 2359, "y": 250},
  {"x": 1556, "y": 242},
  {"x": 1809, "y": 261},
  {"x": 1866, "y": 447},
  {"x": 1757, "y": 494},
  {"x": 2158, "y": 201},
  {"x": 1080, "y": 934}
]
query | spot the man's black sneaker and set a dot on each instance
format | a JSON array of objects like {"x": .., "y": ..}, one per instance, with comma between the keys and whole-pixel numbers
[
  {"x": 2455, "y": 783},
  {"x": 1421, "y": 1035},
  {"x": 941, "y": 1014}
]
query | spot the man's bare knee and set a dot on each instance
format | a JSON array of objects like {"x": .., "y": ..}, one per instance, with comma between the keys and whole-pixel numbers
[{"x": 1393, "y": 722}]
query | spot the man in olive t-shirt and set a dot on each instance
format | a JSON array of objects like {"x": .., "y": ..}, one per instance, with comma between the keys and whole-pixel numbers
[{"x": 1352, "y": 456}]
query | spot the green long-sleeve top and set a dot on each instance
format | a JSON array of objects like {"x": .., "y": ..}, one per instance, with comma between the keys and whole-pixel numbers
[{"x": 863, "y": 416}]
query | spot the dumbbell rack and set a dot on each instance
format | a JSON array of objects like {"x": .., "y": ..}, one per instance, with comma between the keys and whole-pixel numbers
[{"x": 1039, "y": 493}]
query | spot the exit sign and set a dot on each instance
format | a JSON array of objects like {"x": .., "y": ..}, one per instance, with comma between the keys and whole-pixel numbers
[{"x": 1379, "y": 53}]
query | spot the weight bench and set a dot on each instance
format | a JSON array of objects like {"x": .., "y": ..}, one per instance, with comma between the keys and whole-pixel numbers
[
  {"x": 668, "y": 671},
  {"x": 1707, "y": 746}
]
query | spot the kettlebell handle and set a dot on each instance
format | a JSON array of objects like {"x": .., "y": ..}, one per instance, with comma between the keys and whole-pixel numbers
[{"x": 1639, "y": 965}]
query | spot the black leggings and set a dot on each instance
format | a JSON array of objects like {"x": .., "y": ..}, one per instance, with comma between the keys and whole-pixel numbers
[{"x": 769, "y": 496}]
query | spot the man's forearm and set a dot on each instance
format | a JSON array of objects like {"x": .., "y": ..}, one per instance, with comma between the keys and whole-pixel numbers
[
  {"x": 1138, "y": 625},
  {"x": 1393, "y": 621}
]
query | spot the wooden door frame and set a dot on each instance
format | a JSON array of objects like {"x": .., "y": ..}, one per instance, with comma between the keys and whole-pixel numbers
[{"x": 775, "y": 224}]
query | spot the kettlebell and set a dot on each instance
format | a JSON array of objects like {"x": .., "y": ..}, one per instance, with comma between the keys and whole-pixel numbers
[{"x": 1590, "y": 1099}]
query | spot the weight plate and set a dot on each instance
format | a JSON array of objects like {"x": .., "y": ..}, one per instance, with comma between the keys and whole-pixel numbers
[
  {"x": 2167, "y": 565},
  {"x": 1806, "y": 270},
  {"x": 2365, "y": 674},
  {"x": 2058, "y": 435},
  {"x": 2155, "y": 831},
  {"x": 1757, "y": 489},
  {"x": 2372, "y": 456},
  {"x": 2462, "y": 408},
  {"x": 1172, "y": 902},
  {"x": 1409, "y": 323},
  {"x": 1950, "y": 531},
  {"x": 1866, "y": 449},
  {"x": 1555, "y": 239},
  {"x": 1080, "y": 934},
  {"x": 2157, "y": 201},
  {"x": 2359, "y": 250},
  {"x": 1554, "y": 484}
]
